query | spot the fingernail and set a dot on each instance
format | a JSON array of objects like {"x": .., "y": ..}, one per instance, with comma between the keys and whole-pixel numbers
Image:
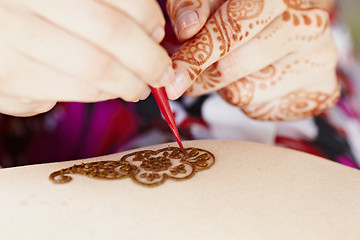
[
  {"x": 167, "y": 77},
  {"x": 178, "y": 87},
  {"x": 145, "y": 94},
  {"x": 158, "y": 34},
  {"x": 186, "y": 19}
]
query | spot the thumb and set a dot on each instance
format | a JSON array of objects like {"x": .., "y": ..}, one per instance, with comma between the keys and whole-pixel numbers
[{"x": 189, "y": 16}]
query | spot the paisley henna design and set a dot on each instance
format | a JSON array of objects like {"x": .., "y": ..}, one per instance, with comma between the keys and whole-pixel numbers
[
  {"x": 147, "y": 167},
  {"x": 296, "y": 105}
]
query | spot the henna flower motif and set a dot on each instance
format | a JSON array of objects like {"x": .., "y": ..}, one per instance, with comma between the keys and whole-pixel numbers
[{"x": 149, "y": 168}]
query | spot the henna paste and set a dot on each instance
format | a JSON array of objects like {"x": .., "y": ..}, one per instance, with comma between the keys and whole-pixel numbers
[
  {"x": 147, "y": 167},
  {"x": 223, "y": 30},
  {"x": 207, "y": 81},
  {"x": 240, "y": 93},
  {"x": 295, "y": 105}
]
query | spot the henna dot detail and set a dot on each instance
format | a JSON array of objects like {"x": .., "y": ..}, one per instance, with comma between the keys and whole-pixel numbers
[{"x": 286, "y": 16}]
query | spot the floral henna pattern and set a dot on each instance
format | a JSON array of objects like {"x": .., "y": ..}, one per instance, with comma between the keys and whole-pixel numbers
[
  {"x": 296, "y": 105},
  {"x": 224, "y": 30},
  {"x": 149, "y": 168},
  {"x": 196, "y": 52},
  {"x": 240, "y": 93},
  {"x": 207, "y": 81}
]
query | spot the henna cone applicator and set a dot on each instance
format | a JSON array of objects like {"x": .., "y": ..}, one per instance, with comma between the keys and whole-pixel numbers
[{"x": 163, "y": 104}]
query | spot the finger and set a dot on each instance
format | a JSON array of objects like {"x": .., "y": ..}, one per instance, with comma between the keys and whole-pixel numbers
[
  {"x": 278, "y": 39},
  {"x": 147, "y": 13},
  {"x": 232, "y": 25},
  {"x": 293, "y": 88},
  {"x": 189, "y": 16},
  {"x": 296, "y": 105},
  {"x": 21, "y": 76},
  {"x": 299, "y": 70},
  {"x": 23, "y": 107},
  {"x": 110, "y": 32}
]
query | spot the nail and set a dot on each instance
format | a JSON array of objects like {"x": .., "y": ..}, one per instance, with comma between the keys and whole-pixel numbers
[
  {"x": 158, "y": 34},
  {"x": 145, "y": 94},
  {"x": 167, "y": 77},
  {"x": 186, "y": 19},
  {"x": 178, "y": 87}
]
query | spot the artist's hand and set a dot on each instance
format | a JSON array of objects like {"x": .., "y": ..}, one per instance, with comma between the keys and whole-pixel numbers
[
  {"x": 273, "y": 59},
  {"x": 79, "y": 50}
]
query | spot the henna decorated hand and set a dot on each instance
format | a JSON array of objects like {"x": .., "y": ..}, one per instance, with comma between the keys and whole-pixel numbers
[
  {"x": 81, "y": 50},
  {"x": 273, "y": 59}
]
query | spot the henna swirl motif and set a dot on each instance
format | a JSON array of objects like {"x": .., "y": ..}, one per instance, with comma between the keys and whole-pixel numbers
[
  {"x": 265, "y": 73},
  {"x": 296, "y": 105},
  {"x": 241, "y": 92},
  {"x": 196, "y": 51},
  {"x": 223, "y": 30},
  {"x": 147, "y": 167},
  {"x": 227, "y": 24},
  {"x": 243, "y": 10},
  {"x": 208, "y": 81}
]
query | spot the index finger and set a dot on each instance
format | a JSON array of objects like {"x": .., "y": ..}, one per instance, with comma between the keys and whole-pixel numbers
[{"x": 232, "y": 25}]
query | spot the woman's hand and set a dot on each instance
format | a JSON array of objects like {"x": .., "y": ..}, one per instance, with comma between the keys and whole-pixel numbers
[
  {"x": 79, "y": 50},
  {"x": 273, "y": 59}
]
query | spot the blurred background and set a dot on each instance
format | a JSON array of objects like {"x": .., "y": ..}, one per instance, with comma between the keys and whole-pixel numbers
[{"x": 351, "y": 9}]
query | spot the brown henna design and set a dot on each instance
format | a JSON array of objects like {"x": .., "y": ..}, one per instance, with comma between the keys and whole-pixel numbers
[
  {"x": 208, "y": 81},
  {"x": 296, "y": 105},
  {"x": 306, "y": 12},
  {"x": 224, "y": 29},
  {"x": 147, "y": 167},
  {"x": 226, "y": 24},
  {"x": 196, "y": 51},
  {"x": 240, "y": 93}
]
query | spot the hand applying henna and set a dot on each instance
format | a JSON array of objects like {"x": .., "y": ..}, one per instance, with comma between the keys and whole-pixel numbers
[
  {"x": 103, "y": 50},
  {"x": 273, "y": 59}
]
